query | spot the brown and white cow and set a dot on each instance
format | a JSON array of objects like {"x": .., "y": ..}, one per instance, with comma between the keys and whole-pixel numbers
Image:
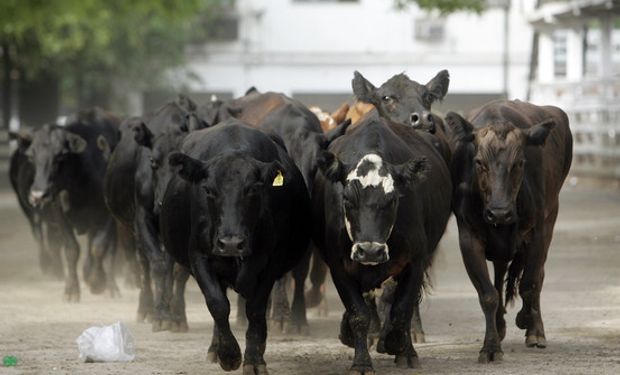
[{"x": 509, "y": 163}]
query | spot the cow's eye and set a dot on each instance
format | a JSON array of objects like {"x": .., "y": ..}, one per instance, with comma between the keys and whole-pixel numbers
[
  {"x": 480, "y": 165},
  {"x": 154, "y": 163},
  {"x": 388, "y": 99},
  {"x": 254, "y": 189}
]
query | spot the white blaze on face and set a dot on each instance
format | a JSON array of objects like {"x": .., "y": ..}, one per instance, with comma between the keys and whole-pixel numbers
[{"x": 372, "y": 176}]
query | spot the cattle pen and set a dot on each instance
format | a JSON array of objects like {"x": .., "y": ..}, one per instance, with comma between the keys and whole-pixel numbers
[{"x": 581, "y": 307}]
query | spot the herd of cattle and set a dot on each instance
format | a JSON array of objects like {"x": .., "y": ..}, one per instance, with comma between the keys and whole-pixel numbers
[{"x": 238, "y": 193}]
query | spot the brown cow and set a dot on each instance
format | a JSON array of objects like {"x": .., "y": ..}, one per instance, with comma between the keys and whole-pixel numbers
[{"x": 508, "y": 166}]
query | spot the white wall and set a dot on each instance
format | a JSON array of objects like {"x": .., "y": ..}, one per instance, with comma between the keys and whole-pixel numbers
[{"x": 293, "y": 46}]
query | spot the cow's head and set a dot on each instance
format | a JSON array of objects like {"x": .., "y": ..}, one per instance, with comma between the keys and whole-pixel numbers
[
  {"x": 167, "y": 140},
  {"x": 402, "y": 100},
  {"x": 234, "y": 191},
  {"x": 498, "y": 162},
  {"x": 370, "y": 199},
  {"x": 51, "y": 149}
]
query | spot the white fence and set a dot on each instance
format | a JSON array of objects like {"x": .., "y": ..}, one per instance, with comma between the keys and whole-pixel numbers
[{"x": 593, "y": 107}]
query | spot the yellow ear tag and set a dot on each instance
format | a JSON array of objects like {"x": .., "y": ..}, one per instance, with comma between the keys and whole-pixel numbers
[{"x": 278, "y": 180}]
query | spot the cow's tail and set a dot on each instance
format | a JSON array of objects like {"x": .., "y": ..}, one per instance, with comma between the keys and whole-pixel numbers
[{"x": 515, "y": 271}]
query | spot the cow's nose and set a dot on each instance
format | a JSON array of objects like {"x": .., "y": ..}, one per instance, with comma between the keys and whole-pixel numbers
[
  {"x": 499, "y": 216},
  {"x": 231, "y": 245},
  {"x": 415, "y": 119},
  {"x": 36, "y": 197},
  {"x": 370, "y": 253}
]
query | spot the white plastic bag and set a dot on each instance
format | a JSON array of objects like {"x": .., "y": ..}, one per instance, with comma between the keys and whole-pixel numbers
[{"x": 111, "y": 343}]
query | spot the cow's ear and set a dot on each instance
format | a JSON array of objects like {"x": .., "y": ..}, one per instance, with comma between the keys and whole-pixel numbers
[
  {"x": 75, "y": 143},
  {"x": 331, "y": 167},
  {"x": 190, "y": 169},
  {"x": 23, "y": 138},
  {"x": 362, "y": 88},
  {"x": 462, "y": 130},
  {"x": 104, "y": 146},
  {"x": 438, "y": 86},
  {"x": 272, "y": 174},
  {"x": 336, "y": 132},
  {"x": 537, "y": 134},
  {"x": 411, "y": 172},
  {"x": 143, "y": 135},
  {"x": 193, "y": 123}
]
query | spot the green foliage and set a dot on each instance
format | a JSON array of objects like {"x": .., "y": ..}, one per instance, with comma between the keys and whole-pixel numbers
[
  {"x": 132, "y": 41},
  {"x": 445, "y": 6}
]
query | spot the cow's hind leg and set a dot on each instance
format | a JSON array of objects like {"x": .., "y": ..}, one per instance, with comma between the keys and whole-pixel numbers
[
  {"x": 318, "y": 273},
  {"x": 177, "y": 304},
  {"x": 256, "y": 335},
  {"x": 280, "y": 309},
  {"x": 146, "y": 302},
  {"x": 299, "y": 321}
]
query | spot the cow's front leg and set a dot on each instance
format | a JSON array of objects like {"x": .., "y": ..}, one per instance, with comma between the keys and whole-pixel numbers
[
  {"x": 358, "y": 318},
  {"x": 256, "y": 335},
  {"x": 406, "y": 296},
  {"x": 226, "y": 346},
  {"x": 299, "y": 322},
  {"x": 472, "y": 251},
  {"x": 72, "y": 255},
  {"x": 530, "y": 286}
]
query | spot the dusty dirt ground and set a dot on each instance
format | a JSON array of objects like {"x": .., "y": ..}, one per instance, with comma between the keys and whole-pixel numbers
[{"x": 580, "y": 304}]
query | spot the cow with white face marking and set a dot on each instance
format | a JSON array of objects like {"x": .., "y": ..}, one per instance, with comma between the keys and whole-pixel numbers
[{"x": 381, "y": 204}]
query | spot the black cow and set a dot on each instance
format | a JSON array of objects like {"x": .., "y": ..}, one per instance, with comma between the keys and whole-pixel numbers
[
  {"x": 43, "y": 221},
  {"x": 237, "y": 215},
  {"x": 380, "y": 207},
  {"x": 303, "y": 138},
  {"x": 69, "y": 166},
  {"x": 135, "y": 181},
  {"x": 509, "y": 164},
  {"x": 404, "y": 101}
]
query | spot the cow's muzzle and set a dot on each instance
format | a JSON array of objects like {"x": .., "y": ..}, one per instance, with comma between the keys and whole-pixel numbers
[
  {"x": 370, "y": 253},
  {"x": 423, "y": 121},
  {"x": 39, "y": 197},
  {"x": 231, "y": 246},
  {"x": 499, "y": 215}
]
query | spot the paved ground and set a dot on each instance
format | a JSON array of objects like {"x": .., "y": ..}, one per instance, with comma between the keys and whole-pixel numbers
[{"x": 581, "y": 310}]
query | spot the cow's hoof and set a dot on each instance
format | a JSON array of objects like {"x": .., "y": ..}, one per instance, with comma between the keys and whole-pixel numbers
[
  {"x": 395, "y": 342},
  {"x": 361, "y": 370},
  {"x": 143, "y": 317},
  {"x": 229, "y": 356},
  {"x": 535, "y": 341},
  {"x": 158, "y": 325},
  {"x": 179, "y": 327},
  {"x": 381, "y": 345},
  {"x": 276, "y": 325},
  {"x": 490, "y": 356},
  {"x": 313, "y": 297},
  {"x": 523, "y": 320},
  {"x": 418, "y": 337},
  {"x": 212, "y": 356},
  {"x": 255, "y": 370},
  {"x": 407, "y": 361},
  {"x": 113, "y": 291},
  {"x": 72, "y": 296},
  {"x": 296, "y": 329}
]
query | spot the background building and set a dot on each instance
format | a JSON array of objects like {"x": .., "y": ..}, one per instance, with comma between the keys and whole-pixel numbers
[{"x": 310, "y": 48}]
